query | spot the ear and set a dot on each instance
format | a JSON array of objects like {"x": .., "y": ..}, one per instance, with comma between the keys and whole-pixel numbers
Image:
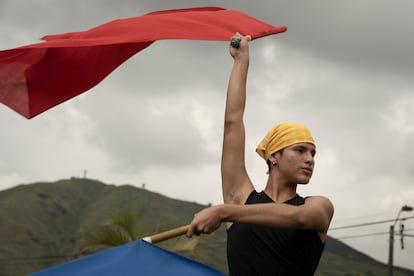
[{"x": 274, "y": 158}]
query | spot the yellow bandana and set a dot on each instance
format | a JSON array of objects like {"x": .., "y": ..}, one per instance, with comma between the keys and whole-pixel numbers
[{"x": 281, "y": 136}]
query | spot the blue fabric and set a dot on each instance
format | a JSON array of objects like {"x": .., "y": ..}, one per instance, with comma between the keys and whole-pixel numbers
[{"x": 135, "y": 258}]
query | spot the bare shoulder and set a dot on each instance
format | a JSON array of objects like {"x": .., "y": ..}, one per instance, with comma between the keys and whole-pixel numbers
[
  {"x": 321, "y": 201},
  {"x": 318, "y": 199}
]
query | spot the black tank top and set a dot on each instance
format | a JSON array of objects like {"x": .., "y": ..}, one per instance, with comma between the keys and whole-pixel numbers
[{"x": 259, "y": 251}]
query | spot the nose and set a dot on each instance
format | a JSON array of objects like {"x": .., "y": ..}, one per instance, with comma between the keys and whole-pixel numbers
[{"x": 309, "y": 159}]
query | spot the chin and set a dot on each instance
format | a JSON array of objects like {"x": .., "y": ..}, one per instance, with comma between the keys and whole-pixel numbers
[{"x": 304, "y": 181}]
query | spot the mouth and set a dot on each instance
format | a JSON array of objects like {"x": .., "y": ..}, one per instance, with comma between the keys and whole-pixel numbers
[{"x": 307, "y": 171}]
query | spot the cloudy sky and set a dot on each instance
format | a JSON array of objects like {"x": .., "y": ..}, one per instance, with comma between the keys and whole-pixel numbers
[{"x": 344, "y": 69}]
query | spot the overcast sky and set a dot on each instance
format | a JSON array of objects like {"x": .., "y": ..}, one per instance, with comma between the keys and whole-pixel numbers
[{"x": 344, "y": 69}]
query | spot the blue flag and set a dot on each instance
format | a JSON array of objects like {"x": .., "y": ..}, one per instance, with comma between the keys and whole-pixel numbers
[{"x": 134, "y": 258}]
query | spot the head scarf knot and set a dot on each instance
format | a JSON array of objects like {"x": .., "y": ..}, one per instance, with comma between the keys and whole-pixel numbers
[{"x": 281, "y": 136}]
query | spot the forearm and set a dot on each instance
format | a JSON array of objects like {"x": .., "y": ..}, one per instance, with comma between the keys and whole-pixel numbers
[
  {"x": 236, "y": 92},
  {"x": 275, "y": 215}
]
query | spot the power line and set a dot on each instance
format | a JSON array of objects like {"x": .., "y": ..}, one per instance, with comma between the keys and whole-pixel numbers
[
  {"x": 374, "y": 234},
  {"x": 371, "y": 216},
  {"x": 368, "y": 223},
  {"x": 362, "y": 235}
]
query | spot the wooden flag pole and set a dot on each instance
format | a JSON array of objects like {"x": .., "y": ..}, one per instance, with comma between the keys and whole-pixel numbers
[{"x": 167, "y": 234}]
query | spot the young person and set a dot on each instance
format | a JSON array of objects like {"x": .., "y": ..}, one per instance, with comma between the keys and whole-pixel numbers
[{"x": 276, "y": 231}]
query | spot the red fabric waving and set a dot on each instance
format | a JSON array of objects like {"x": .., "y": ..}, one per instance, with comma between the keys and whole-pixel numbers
[{"x": 37, "y": 77}]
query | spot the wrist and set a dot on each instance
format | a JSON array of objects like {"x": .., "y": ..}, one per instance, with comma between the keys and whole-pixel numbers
[
  {"x": 220, "y": 211},
  {"x": 242, "y": 57},
  {"x": 224, "y": 212}
]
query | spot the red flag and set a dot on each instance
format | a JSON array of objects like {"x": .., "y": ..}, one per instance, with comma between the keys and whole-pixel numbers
[{"x": 37, "y": 77}]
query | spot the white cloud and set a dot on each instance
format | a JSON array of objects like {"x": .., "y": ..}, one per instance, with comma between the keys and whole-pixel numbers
[{"x": 399, "y": 115}]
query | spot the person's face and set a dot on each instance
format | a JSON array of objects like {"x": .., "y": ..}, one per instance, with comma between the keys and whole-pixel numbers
[{"x": 296, "y": 162}]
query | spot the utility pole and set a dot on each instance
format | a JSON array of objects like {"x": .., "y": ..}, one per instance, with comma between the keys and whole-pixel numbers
[
  {"x": 405, "y": 208},
  {"x": 391, "y": 252}
]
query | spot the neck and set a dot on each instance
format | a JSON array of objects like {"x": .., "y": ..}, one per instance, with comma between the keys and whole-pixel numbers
[{"x": 278, "y": 189}]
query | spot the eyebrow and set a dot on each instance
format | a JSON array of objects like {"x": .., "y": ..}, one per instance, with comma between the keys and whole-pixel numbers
[{"x": 305, "y": 147}]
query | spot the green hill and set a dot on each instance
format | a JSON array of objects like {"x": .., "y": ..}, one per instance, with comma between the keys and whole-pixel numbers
[{"x": 43, "y": 224}]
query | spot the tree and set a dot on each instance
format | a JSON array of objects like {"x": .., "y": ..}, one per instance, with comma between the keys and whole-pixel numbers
[{"x": 123, "y": 227}]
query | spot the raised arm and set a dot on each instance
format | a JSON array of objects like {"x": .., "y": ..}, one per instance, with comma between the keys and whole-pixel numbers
[{"x": 235, "y": 181}]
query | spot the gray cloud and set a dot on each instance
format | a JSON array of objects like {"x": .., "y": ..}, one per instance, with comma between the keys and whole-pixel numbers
[{"x": 343, "y": 69}]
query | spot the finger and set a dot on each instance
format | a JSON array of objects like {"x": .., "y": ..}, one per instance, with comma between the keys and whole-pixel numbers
[
  {"x": 247, "y": 38},
  {"x": 237, "y": 35},
  {"x": 190, "y": 232}
]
